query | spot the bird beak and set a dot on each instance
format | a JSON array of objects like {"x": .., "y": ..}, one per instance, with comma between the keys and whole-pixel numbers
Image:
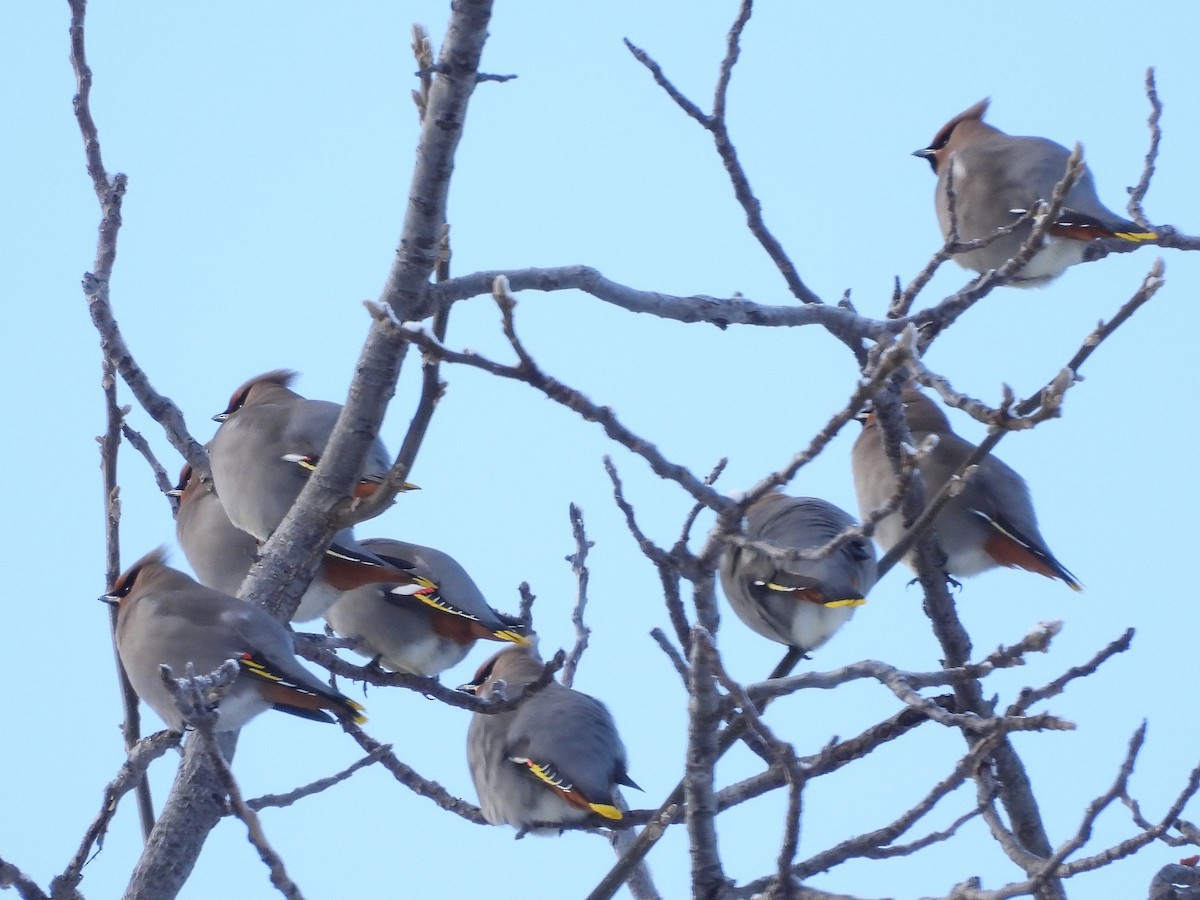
[
  {"x": 220, "y": 417},
  {"x": 472, "y": 689},
  {"x": 929, "y": 155},
  {"x": 109, "y": 599},
  {"x": 175, "y": 492}
]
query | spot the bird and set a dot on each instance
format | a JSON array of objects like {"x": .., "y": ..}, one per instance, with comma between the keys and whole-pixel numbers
[
  {"x": 419, "y": 634},
  {"x": 166, "y": 618},
  {"x": 221, "y": 555},
  {"x": 554, "y": 759},
  {"x": 269, "y": 442},
  {"x": 799, "y": 602},
  {"x": 218, "y": 551},
  {"x": 996, "y": 178},
  {"x": 990, "y": 522}
]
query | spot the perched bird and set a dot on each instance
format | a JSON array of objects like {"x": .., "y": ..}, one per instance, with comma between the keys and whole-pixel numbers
[
  {"x": 556, "y": 758},
  {"x": 221, "y": 555},
  {"x": 166, "y": 618},
  {"x": 420, "y": 634},
  {"x": 997, "y": 177},
  {"x": 218, "y": 551},
  {"x": 269, "y": 442},
  {"x": 797, "y": 602},
  {"x": 990, "y": 522}
]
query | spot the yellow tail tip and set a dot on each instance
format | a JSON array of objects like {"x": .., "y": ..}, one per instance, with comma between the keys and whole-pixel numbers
[
  {"x": 359, "y": 712},
  {"x": 606, "y": 810},
  {"x": 1137, "y": 236},
  {"x": 519, "y": 639},
  {"x": 845, "y": 601}
]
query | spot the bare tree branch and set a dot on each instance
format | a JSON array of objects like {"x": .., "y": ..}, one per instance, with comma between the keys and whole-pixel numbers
[
  {"x": 132, "y": 774},
  {"x": 708, "y": 877},
  {"x": 578, "y": 561},
  {"x": 254, "y": 830},
  {"x": 716, "y": 126},
  {"x": 719, "y": 311},
  {"x": 110, "y": 446},
  {"x": 409, "y": 777},
  {"x": 321, "y": 784},
  {"x": 430, "y": 687},
  {"x": 12, "y": 877},
  {"x": 1138, "y": 193}
]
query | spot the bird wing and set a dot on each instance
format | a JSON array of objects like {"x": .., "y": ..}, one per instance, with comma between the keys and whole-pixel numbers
[{"x": 568, "y": 742}]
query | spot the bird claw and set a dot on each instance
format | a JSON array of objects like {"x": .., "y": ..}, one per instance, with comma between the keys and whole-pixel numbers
[{"x": 375, "y": 666}]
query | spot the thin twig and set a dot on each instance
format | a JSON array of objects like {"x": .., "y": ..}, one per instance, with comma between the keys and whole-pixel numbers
[
  {"x": 578, "y": 561},
  {"x": 716, "y": 126},
  {"x": 142, "y": 446},
  {"x": 254, "y": 829},
  {"x": 321, "y": 784},
  {"x": 110, "y": 445},
  {"x": 416, "y": 783},
  {"x": 131, "y": 774},
  {"x": 673, "y": 655},
  {"x": 1030, "y": 696},
  {"x": 1138, "y": 193},
  {"x": 430, "y": 687},
  {"x": 1149, "y": 287}
]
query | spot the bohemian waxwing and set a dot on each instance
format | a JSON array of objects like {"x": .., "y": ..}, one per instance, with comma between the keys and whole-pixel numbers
[
  {"x": 219, "y": 552},
  {"x": 420, "y": 634},
  {"x": 556, "y": 758},
  {"x": 269, "y": 442},
  {"x": 166, "y": 618},
  {"x": 797, "y": 602},
  {"x": 989, "y": 523},
  {"x": 221, "y": 555},
  {"x": 996, "y": 177}
]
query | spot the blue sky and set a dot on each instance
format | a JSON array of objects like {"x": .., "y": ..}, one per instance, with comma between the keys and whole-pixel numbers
[{"x": 269, "y": 152}]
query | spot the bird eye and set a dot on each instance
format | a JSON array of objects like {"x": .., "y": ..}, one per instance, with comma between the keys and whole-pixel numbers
[
  {"x": 124, "y": 585},
  {"x": 484, "y": 673},
  {"x": 238, "y": 400}
]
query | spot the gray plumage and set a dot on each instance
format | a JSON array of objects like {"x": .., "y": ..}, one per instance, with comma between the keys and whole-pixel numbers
[
  {"x": 269, "y": 440},
  {"x": 166, "y": 618},
  {"x": 407, "y": 634},
  {"x": 556, "y": 758},
  {"x": 219, "y": 552},
  {"x": 995, "y": 176},
  {"x": 989, "y": 523},
  {"x": 802, "y": 602}
]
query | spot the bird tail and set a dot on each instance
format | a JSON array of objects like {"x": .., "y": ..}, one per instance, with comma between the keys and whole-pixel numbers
[
  {"x": 550, "y": 777},
  {"x": 1009, "y": 547},
  {"x": 297, "y": 699}
]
